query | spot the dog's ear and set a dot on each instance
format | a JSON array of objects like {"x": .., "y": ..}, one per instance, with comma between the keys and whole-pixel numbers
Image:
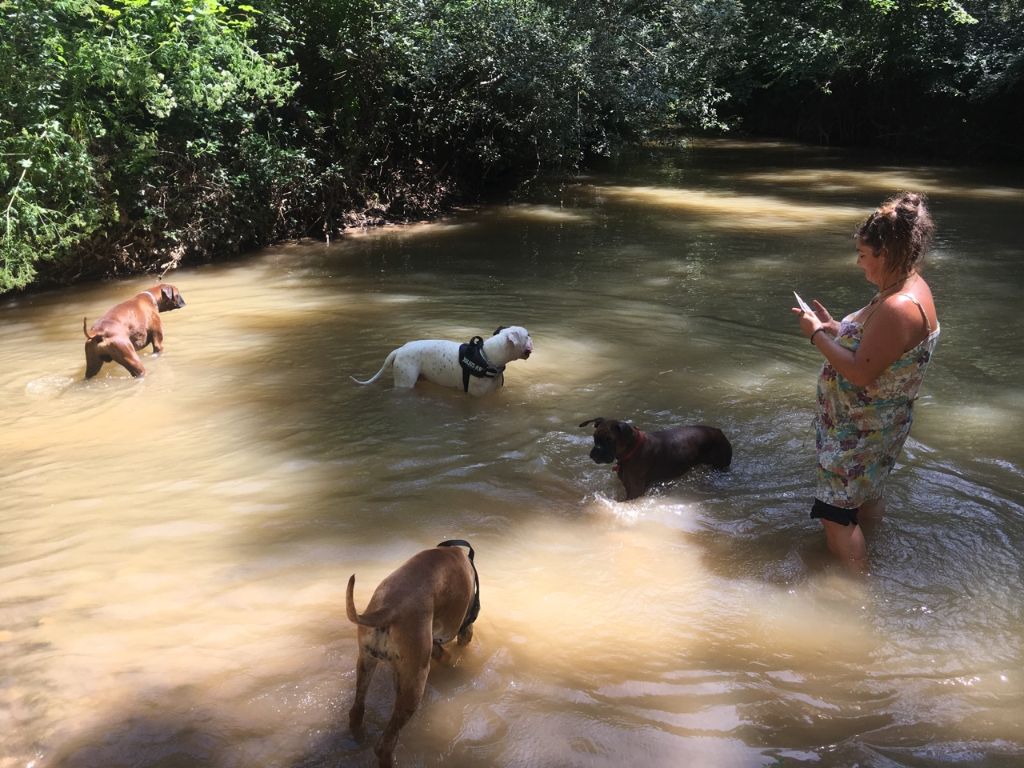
[
  {"x": 499, "y": 329},
  {"x": 512, "y": 338},
  {"x": 623, "y": 429},
  {"x": 167, "y": 291},
  {"x": 596, "y": 422}
]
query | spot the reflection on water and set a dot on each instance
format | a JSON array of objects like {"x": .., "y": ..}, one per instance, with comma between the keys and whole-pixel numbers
[
  {"x": 175, "y": 549},
  {"x": 732, "y": 211}
]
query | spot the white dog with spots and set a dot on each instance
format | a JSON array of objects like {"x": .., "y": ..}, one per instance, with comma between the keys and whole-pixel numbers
[{"x": 476, "y": 367}]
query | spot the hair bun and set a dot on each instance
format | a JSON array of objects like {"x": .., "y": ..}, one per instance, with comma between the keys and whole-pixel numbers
[
  {"x": 901, "y": 225},
  {"x": 909, "y": 200}
]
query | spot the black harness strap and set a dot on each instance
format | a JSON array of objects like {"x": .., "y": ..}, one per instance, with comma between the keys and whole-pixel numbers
[
  {"x": 474, "y": 609},
  {"x": 474, "y": 362}
]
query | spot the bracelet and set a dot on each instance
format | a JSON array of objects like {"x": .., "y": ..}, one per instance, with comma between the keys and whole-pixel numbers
[{"x": 816, "y": 330}]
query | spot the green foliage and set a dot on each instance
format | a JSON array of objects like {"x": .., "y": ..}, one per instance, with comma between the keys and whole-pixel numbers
[
  {"x": 110, "y": 112},
  {"x": 45, "y": 164},
  {"x": 435, "y": 98},
  {"x": 927, "y": 75},
  {"x": 465, "y": 94},
  {"x": 486, "y": 86},
  {"x": 509, "y": 84},
  {"x": 137, "y": 133}
]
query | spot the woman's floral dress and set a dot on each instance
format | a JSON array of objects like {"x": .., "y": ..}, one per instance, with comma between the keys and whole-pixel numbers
[{"x": 860, "y": 431}]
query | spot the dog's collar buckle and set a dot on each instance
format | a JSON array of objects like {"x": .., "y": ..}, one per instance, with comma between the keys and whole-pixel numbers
[{"x": 474, "y": 362}]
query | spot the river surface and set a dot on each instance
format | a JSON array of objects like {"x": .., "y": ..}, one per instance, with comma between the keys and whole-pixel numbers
[{"x": 174, "y": 550}]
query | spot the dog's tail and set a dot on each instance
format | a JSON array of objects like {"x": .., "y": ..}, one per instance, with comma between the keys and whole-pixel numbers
[
  {"x": 388, "y": 361},
  {"x": 373, "y": 619},
  {"x": 350, "y": 603}
]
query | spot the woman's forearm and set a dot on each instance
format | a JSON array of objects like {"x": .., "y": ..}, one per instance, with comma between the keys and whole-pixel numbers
[{"x": 842, "y": 359}]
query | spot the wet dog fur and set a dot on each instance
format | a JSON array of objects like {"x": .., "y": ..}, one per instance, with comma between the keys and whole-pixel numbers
[{"x": 432, "y": 599}]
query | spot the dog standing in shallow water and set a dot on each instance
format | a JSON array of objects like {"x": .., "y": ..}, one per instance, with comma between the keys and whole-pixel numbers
[
  {"x": 650, "y": 457},
  {"x": 127, "y": 328},
  {"x": 433, "y": 598},
  {"x": 476, "y": 368}
]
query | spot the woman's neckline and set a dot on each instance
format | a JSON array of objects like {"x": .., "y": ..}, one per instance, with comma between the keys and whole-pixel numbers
[{"x": 891, "y": 289}]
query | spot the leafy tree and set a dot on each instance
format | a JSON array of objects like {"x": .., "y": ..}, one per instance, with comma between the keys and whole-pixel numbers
[
  {"x": 433, "y": 99},
  {"x": 137, "y": 133},
  {"x": 129, "y": 129},
  {"x": 926, "y": 75}
]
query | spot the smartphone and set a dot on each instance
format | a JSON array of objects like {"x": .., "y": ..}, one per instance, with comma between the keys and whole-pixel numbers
[{"x": 802, "y": 303}]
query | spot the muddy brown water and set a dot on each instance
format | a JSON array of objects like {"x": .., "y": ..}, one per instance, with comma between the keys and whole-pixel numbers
[{"x": 174, "y": 550}]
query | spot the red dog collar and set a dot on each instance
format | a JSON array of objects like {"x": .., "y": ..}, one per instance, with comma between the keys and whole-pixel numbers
[{"x": 640, "y": 437}]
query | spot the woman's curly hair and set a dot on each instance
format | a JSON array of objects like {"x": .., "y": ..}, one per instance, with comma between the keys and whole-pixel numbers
[{"x": 903, "y": 227}]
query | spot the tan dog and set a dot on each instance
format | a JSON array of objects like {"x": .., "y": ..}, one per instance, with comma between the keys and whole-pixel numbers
[
  {"x": 126, "y": 329},
  {"x": 429, "y": 601},
  {"x": 644, "y": 458}
]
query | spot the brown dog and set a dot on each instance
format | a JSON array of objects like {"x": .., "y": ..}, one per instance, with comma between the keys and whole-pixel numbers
[
  {"x": 429, "y": 601},
  {"x": 129, "y": 327},
  {"x": 650, "y": 457}
]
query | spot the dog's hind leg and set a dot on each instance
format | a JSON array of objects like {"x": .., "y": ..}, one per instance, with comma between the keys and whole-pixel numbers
[
  {"x": 365, "y": 668},
  {"x": 408, "y": 693},
  {"x": 129, "y": 359},
  {"x": 93, "y": 362}
]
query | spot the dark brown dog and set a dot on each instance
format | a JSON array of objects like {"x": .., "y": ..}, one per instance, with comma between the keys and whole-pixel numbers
[
  {"x": 429, "y": 601},
  {"x": 650, "y": 457},
  {"x": 126, "y": 329}
]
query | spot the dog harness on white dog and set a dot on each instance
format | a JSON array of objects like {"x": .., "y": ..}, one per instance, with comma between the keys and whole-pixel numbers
[
  {"x": 474, "y": 609},
  {"x": 474, "y": 362}
]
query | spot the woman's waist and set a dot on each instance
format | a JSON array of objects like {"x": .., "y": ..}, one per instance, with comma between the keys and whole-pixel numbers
[
  {"x": 901, "y": 381},
  {"x": 883, "y": 401}
]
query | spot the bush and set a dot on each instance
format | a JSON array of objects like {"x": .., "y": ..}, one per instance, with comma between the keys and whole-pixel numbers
[
  {"x": 130, "y": 134},
  {"x": 143, "y": 132}
]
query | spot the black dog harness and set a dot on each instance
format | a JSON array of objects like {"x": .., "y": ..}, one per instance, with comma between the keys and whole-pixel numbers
[
  {"x": 474, "y": 609},
  {"x": 474, "y": 362}
]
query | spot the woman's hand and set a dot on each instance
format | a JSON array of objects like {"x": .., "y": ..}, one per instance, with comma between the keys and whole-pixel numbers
[
  {"x": 831, "y": 326},
  {"x": 809, "y": 321},
  {"x": 819, "y": 318}
]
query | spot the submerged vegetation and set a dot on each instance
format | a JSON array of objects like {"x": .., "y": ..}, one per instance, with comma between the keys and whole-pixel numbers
[{"x": 137, "y": 134}]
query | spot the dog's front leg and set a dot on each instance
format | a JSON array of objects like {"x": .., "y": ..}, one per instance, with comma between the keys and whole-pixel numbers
[
  {"x": 156, "y": 337},
  {"x": 635, "y": 485},
  {"x": 365, "y": 668},
  {"x": 409, "y": 686}
]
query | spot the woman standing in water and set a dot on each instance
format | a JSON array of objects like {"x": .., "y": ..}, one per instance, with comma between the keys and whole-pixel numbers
[{"x": 875, "y": 360}]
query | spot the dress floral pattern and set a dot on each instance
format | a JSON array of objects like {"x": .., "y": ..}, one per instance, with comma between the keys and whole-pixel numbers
[{"x": 860, "y": 431}]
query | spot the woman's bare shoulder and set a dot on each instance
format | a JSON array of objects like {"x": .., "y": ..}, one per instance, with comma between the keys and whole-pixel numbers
[{"x": 917, "y": 299}]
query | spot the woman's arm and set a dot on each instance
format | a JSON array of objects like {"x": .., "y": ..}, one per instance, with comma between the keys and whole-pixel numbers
[{"x": 894, "y": 327}]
